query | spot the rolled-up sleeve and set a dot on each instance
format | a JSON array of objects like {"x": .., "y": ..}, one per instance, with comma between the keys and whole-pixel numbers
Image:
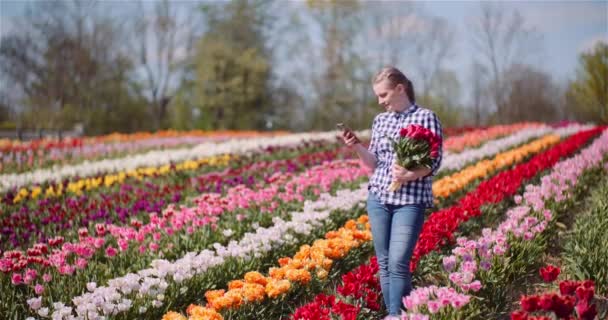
[{"x": 432, "y": 123}]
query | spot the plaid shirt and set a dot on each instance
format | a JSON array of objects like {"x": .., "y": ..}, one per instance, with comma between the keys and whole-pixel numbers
[{"x": 419, "y": 191}]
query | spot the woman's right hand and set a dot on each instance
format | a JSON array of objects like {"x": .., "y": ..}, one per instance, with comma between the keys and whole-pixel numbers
[{"x": 349, "y": 138}]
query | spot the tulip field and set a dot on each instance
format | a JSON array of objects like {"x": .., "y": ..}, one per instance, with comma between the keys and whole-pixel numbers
[{"x": 245, "y": 225}]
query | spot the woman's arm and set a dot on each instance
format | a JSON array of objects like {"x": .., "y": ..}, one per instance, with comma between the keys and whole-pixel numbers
[
  {"x": 351, "y": 140},
  {"x": 368, "y": 158}
]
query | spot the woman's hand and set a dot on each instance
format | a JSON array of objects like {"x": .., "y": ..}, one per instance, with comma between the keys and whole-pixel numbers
[
  {"x": 349, "y": 138},
  {"x": 402, "y": 175}
]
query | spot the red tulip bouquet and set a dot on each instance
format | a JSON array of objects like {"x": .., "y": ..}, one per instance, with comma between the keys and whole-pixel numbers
[{"x": 416, "y": 147}]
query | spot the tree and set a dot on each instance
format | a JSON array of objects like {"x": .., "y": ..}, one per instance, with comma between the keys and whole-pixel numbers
[
  {"x": 69, "y": 64},
  {"x": 4, "y": 111},
  {"x": 443, "y": 100},
  {"x": 232, "y": 80},
  {"x": 450, "y": 116},
  {"x": 162, "y": 42},
  {"x": 336, "y": 82},
  {"x": 502, "y": 40},
  {"x": 588, "y": 94},
  {"x": 478, "y": 92},
  {"x": 431, "y": 49},
  {"x": 532, "y": 96}
]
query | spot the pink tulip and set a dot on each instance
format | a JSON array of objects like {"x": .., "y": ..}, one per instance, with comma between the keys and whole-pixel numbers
[
  {"x": 17, "y": 278},
  {"x": 39, "y": 289},
  {"x": 110, "y": 251}
]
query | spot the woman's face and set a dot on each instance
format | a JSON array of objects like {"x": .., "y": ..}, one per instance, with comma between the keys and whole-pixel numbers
[{"x": 391, "y": 99}]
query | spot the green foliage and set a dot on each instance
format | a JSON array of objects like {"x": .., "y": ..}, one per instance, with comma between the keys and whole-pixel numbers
[
  {"x": 588, "y": 95},
  {"x": 585, "y": 254}
]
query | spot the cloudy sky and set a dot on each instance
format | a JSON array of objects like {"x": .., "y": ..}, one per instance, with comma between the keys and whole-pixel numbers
[{"x": 567, "y": 28}]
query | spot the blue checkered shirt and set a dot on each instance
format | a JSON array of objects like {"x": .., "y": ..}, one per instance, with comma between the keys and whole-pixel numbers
[{"x": 419, "y": 191}]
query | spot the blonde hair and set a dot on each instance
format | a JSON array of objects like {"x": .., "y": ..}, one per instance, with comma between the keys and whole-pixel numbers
[{"x": 395, "y": 77}]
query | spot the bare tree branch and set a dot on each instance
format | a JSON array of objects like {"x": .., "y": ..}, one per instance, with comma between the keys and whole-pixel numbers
[
  {"x": 502, "y": 40},
  {"x": 161, "y": 36}
]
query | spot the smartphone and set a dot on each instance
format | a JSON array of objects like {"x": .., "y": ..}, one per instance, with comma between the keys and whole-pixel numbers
[{"x": 341, "y": 126}]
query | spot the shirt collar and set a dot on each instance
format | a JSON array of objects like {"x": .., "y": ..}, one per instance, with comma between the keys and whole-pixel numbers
[{"x": 398, "y": 114}]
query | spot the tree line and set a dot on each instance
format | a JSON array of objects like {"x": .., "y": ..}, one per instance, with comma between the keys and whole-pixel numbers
[{"x": 268, "y": 64}]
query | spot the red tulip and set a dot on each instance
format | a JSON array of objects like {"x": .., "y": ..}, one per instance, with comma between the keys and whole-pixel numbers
[
  {"x": 529, "y": 303},
  {"x": 549, "y": 273},
  {"x": 519, "y": 315},
  {"x": 586, "y": 311},
  {"x": 585, "y": 294},
  {"x": 567, "y": 287},
  {"x": 546, "y": 301},
  {"x": 563, "y": 306},
  {"x": 588, "y": 284}
]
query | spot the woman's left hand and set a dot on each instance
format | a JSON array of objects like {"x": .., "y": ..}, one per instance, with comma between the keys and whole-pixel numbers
[{"x": 401, "y": 174}]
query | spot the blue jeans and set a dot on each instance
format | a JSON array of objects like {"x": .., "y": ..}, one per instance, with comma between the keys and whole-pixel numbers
[{"x": 395, "y": 229}]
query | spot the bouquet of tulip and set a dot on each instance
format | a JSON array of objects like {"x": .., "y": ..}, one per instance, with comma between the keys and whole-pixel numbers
[{"x": 416, "y": 147}]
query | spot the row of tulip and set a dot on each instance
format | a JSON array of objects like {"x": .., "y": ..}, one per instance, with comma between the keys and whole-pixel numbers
[
  {"x": 197, "y": 222},
  {"x": 79, "y": 186},
  {"x": 456, "y": 161},
  {"x": 211, "y": 260},
  {"x": 30, "y": 155},
  {"x": 227, "y": 297},
  {"x": 441, "y": 225},
  {"x": 23, "y": 156},
  {"x": 361, "y": 281},
  {"x": 127, "y": 235},
  {"x": 458, "y": 180},
  {"x": 310, "y": 264},
  {"x": 316, "y": 259},
  {"x": 61, "y": 216},
  {"x": 157, "y": 159},
  {"x": 209, "y": 268},
  {"x": 22, "y": 159},
  {"x": 456, "y": 131},
  {"x": 489, "y": 263},
  {"x": 100, "y": 167},
  {"x": 578, "y": 295},
  {"x": 207, "y": 209},
  {"x": 99, "y": 209},
  {"x": 9, "y": 145},
  {"x": 477, "y": 137}
]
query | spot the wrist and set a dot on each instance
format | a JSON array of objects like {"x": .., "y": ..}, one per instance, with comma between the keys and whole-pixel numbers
[{"x": 422, "y": 172}]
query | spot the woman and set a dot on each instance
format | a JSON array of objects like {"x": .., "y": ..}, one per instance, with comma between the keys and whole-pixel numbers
[{"x": 396, "y": 217}]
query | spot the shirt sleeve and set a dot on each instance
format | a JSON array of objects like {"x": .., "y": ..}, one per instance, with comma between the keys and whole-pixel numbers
[
  {"x": 432, "y": 123},
  {"x": 373, "y": 144}
]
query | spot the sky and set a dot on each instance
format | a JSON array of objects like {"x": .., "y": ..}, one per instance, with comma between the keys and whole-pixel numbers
[{"x": 567, "y": 28}]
